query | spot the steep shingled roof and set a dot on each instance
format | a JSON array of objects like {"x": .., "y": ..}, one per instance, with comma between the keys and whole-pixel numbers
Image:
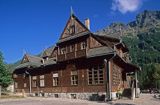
[
  {"x": 99, "y": 51},
  {"x": 47, "y": 52},
  {"x": 32, "y": 61},
  {"x": 32, "y": 58}
]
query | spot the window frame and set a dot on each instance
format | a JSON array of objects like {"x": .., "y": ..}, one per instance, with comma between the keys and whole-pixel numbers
[
  {"x": 55, "y": 79},
  {"x": 71, "y": 48},
  {"x": 15, "y": 85},
  {"x": 42, "y": 81},
  {"x": 96, "y": 75},
  {"x": 83, "y": 45},
  {"x": 63, "y": 51},
  {"x": 74, "y": 78},
  {"x": 34, "y": 81}
]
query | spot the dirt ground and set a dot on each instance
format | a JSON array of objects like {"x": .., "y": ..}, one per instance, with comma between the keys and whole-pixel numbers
[{"x": 145, "y": 99}]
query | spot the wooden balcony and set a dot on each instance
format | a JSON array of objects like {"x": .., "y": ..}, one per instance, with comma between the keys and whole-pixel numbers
[
  {"x": 70, "y": 56},
  {"x": 81, "y": 53},
  {"x": 61, "y": 57}
]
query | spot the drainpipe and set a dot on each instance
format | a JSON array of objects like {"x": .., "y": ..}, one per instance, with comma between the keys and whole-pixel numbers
[
  {"x": 108, "y": 81},
  {"x": 30, "y": 86},
  {"x": 108, "y": 89},
  {"x": 136, "y": 94}
]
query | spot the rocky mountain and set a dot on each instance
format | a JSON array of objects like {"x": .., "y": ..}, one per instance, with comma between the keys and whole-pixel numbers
[{"x": 147, "y": 20}]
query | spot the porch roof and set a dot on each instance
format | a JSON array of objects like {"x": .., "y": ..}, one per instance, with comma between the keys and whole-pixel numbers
[{"x": 128, "y": 67}]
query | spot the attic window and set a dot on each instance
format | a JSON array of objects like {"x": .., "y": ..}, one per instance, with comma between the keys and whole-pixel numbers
[
  {"x": 42, "y": 61},
  {"x": 72, "y": 29}
]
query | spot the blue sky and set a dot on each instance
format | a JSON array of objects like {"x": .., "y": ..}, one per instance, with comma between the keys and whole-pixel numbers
[{"x": 33, "y": 25}]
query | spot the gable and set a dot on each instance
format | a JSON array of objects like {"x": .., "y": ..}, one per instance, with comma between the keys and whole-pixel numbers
[
  {"x": 106, "y": 41},
  {"x": 94, "y": 43},
  {"x": 73, "y": 27},
  {"x": 25, "y": 59}
]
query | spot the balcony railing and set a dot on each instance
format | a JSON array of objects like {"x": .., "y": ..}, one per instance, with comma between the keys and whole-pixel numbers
[
  {"x": 61, "y": 57},
  {"x": 81, "y": 53},
  {"x": 71, "y": 55}
]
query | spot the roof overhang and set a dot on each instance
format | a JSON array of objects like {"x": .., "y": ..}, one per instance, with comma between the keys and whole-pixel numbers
[
  {"x": 73, "y": 37},
  {"x": 128, "y": 67}
]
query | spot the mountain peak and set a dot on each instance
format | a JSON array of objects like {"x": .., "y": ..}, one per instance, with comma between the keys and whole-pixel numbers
[
  {"x": 147, "y": 18},
  {"x": 144, "y": 21}
]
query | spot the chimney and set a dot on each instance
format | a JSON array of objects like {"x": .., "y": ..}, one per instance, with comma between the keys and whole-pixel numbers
[{"x": 87, "y": 23}]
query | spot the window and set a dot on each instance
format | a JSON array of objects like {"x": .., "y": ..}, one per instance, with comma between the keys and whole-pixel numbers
[
  {"x": 95, "y": 75},
  {"x": 42, "y": 81},
  {"x": 74, "y": 78},
  {"x": 15, "y": 75},
  {"x": 16, "y": 85},
  {"x": 83, "y": 45},
  {"x": 63, "y": 50},
  {"x": 34, "y": 81},
  {"x": 25, "y": 85},
  {"x": 71, "y": 48},
  {"x": 55, "y": 79},
  {"x": 72, "y": 29}
]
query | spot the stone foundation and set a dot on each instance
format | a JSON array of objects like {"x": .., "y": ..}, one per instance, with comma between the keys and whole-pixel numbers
[{"x": 84, "y": 96}]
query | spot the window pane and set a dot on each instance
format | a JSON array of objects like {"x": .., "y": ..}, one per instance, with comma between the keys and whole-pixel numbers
[
  {"x": 41, "y": 83},
  {"x": 95, "y": 75}
]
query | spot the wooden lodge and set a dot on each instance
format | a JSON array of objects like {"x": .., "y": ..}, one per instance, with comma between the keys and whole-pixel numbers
[{"x": 81, "y": 65}]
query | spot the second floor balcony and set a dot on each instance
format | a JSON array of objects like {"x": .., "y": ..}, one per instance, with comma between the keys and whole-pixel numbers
[{"x": 71, "y": 55}]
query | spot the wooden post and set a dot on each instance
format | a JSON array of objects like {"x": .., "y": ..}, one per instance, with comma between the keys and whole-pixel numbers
[
  {"x": 136, "y": 87},
  {"x": 0, "y": 90},
  {"x": 30, "y": 87}
]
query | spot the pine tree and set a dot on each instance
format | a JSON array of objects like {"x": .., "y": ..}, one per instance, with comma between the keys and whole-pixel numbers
[{"x": 5, "y": 75}]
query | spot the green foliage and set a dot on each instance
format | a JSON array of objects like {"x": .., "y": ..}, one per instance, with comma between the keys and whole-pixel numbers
[
  {"x": 145, "y": 52},
  {"x": 5, "y": 75}
]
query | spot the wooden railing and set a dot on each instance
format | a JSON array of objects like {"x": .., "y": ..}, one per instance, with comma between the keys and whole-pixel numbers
[
  {"x": 81, "y": 53},
  {"x": 61, "y": 57},
  {"x": 71, "y": 55}
]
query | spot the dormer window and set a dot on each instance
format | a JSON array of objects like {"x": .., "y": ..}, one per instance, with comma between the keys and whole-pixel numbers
[
  {"x": 83, "y": 45},
  {"x": 42, "y": 61},
  {"x": 63, "y": 50}
]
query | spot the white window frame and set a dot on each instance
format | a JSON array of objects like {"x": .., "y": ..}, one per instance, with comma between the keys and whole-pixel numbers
[
  {"x": 41, "y": 82},
  {"x": 16, "y": 85},
  {"x": 34, "y": 81},
  {"x": 25, "y": 85},
  {"x": 55, "y": 79},
  {"x": 74, "y": 77}
]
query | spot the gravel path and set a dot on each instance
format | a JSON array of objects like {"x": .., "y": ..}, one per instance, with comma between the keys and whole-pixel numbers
[{"x": 145, "y": 99}]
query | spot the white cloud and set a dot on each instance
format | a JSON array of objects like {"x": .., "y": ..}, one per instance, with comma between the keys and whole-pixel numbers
[{"x": 125, "y": 6}]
